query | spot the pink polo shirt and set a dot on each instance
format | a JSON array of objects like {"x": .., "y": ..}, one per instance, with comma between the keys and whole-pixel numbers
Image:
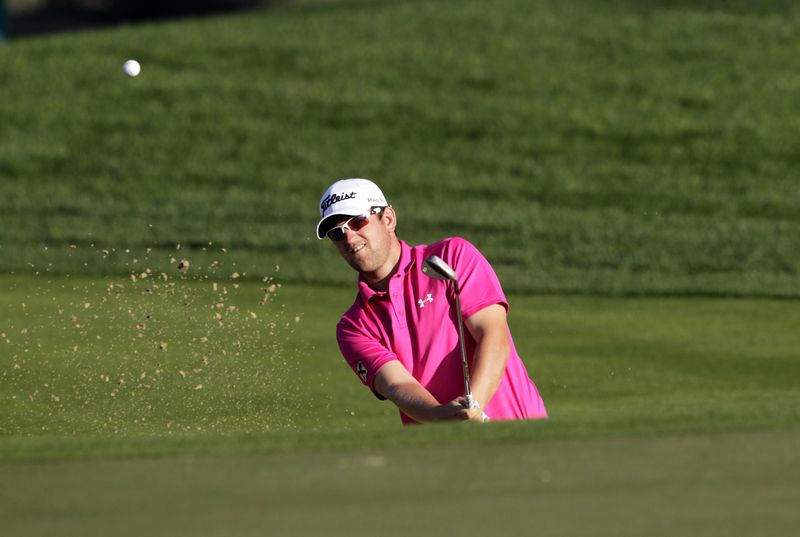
[{"x": 415, "y": 323}]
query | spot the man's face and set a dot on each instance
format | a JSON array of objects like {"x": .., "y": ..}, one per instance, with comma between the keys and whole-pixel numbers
[{"x": 368, "y": 249}]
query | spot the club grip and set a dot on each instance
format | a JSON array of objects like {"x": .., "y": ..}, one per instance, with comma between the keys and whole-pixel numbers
[{"x": 472, "y": 403}]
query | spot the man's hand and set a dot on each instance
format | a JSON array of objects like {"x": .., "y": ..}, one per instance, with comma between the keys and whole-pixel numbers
[
  {"x": 457, "y": 410},
  {"x": 469, "y": 414}
]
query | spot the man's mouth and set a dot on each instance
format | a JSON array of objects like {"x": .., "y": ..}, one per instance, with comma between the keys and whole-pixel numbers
[{"x": 358, "y": 248}]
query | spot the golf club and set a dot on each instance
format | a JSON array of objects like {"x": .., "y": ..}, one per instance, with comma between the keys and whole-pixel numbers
[{"x": 435, "y": 267}]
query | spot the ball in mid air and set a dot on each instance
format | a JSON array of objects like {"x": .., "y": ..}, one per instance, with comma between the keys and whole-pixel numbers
[{"x": 131, "y": 68}]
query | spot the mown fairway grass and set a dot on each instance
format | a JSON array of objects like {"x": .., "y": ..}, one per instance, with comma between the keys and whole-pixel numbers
[
  {"x": 614, "y": 147},
  {"x": 666, "y": 414},
  {"x": 80, "y": 381}
]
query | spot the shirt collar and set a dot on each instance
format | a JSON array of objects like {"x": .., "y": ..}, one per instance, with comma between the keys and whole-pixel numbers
[{"x": 367, "y": 293}]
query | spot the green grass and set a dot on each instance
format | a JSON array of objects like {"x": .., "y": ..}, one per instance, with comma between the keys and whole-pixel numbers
[
  {"x": 81, "y": 381},
  {"x": 625, "y": 148},
  {"x": 592, "y": 150},
  {"x": 696, "y": 485},
  {"x": 667, "y": 415}
]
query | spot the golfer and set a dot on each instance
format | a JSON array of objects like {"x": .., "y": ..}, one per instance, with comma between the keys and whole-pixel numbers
[{"x": 400, "y": 336}]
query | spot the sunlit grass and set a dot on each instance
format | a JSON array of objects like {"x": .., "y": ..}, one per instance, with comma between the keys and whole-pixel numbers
[{"x": 624, "y": 148}]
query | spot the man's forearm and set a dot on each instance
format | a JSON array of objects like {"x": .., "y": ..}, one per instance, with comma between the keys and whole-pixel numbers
[
  {"x": 416, "y": 402},
  {"x": 488, "y": 366}
]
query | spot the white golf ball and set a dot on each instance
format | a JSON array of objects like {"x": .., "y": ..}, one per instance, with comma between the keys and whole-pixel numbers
[{"x": 131, "y": 67}]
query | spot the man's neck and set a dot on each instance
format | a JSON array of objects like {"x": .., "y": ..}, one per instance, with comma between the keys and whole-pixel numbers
[{"x": 380, "y": 282}]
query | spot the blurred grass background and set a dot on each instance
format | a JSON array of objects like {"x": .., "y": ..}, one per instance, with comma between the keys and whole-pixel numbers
[{"x": 592, "y": 147}]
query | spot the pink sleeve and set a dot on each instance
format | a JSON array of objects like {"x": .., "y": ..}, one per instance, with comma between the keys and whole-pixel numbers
[
  {"x": 476, "y": 278},
  {"x": 363, "y": 352}
]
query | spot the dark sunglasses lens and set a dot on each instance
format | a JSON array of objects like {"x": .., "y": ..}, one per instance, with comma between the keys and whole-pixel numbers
[
  {"x": 353, "y": 224},
  {"x": 336, "y": 234},
  {"x": 358, "y": 222}
]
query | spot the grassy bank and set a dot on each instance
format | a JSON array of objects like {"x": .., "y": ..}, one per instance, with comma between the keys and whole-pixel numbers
[{"x": 593, "y": 147}]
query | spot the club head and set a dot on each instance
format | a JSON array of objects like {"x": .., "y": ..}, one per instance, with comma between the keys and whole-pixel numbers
[{"x": 435, "y": 267}]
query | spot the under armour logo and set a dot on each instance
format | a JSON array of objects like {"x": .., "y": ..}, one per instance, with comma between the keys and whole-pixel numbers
[{"x": 422, "y": 301}]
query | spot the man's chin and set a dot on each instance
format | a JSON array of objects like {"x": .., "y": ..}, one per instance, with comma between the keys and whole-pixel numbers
[{"x": 360, "y": 265}]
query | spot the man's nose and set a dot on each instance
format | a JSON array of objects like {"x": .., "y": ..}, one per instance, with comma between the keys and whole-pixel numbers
[{"x": 349, "y": 234}]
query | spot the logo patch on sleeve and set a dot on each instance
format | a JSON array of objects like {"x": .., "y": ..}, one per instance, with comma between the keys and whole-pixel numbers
[{"x": 362, "y": 371}]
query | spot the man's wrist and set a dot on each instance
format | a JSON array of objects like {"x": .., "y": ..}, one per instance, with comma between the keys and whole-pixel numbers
[{"x": 443, "y": 412}]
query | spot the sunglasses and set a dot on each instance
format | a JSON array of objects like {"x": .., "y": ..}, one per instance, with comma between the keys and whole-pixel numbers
[{"x": 354, "y": 223}]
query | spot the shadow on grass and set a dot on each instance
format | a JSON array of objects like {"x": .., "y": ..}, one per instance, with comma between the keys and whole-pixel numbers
[{"x": 56, "y": 16}]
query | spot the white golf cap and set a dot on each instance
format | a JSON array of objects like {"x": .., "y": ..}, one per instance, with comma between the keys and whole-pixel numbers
[{"x": 348, "y": 197}]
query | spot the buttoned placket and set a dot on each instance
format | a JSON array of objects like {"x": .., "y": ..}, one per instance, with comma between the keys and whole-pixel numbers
[
  {"x": 397, "y": 300},
  {"x": 397, "y": 310}
]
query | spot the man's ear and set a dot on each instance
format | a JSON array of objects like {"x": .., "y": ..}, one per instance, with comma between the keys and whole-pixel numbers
[{"x": 389, "y": 218}]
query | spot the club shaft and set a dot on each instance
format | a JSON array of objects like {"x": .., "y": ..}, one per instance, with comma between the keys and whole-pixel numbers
[{"x": 464, "y": 364}]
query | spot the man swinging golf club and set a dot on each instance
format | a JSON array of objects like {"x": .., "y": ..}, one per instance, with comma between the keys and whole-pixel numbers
[{"x": 403, "y": 335}]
